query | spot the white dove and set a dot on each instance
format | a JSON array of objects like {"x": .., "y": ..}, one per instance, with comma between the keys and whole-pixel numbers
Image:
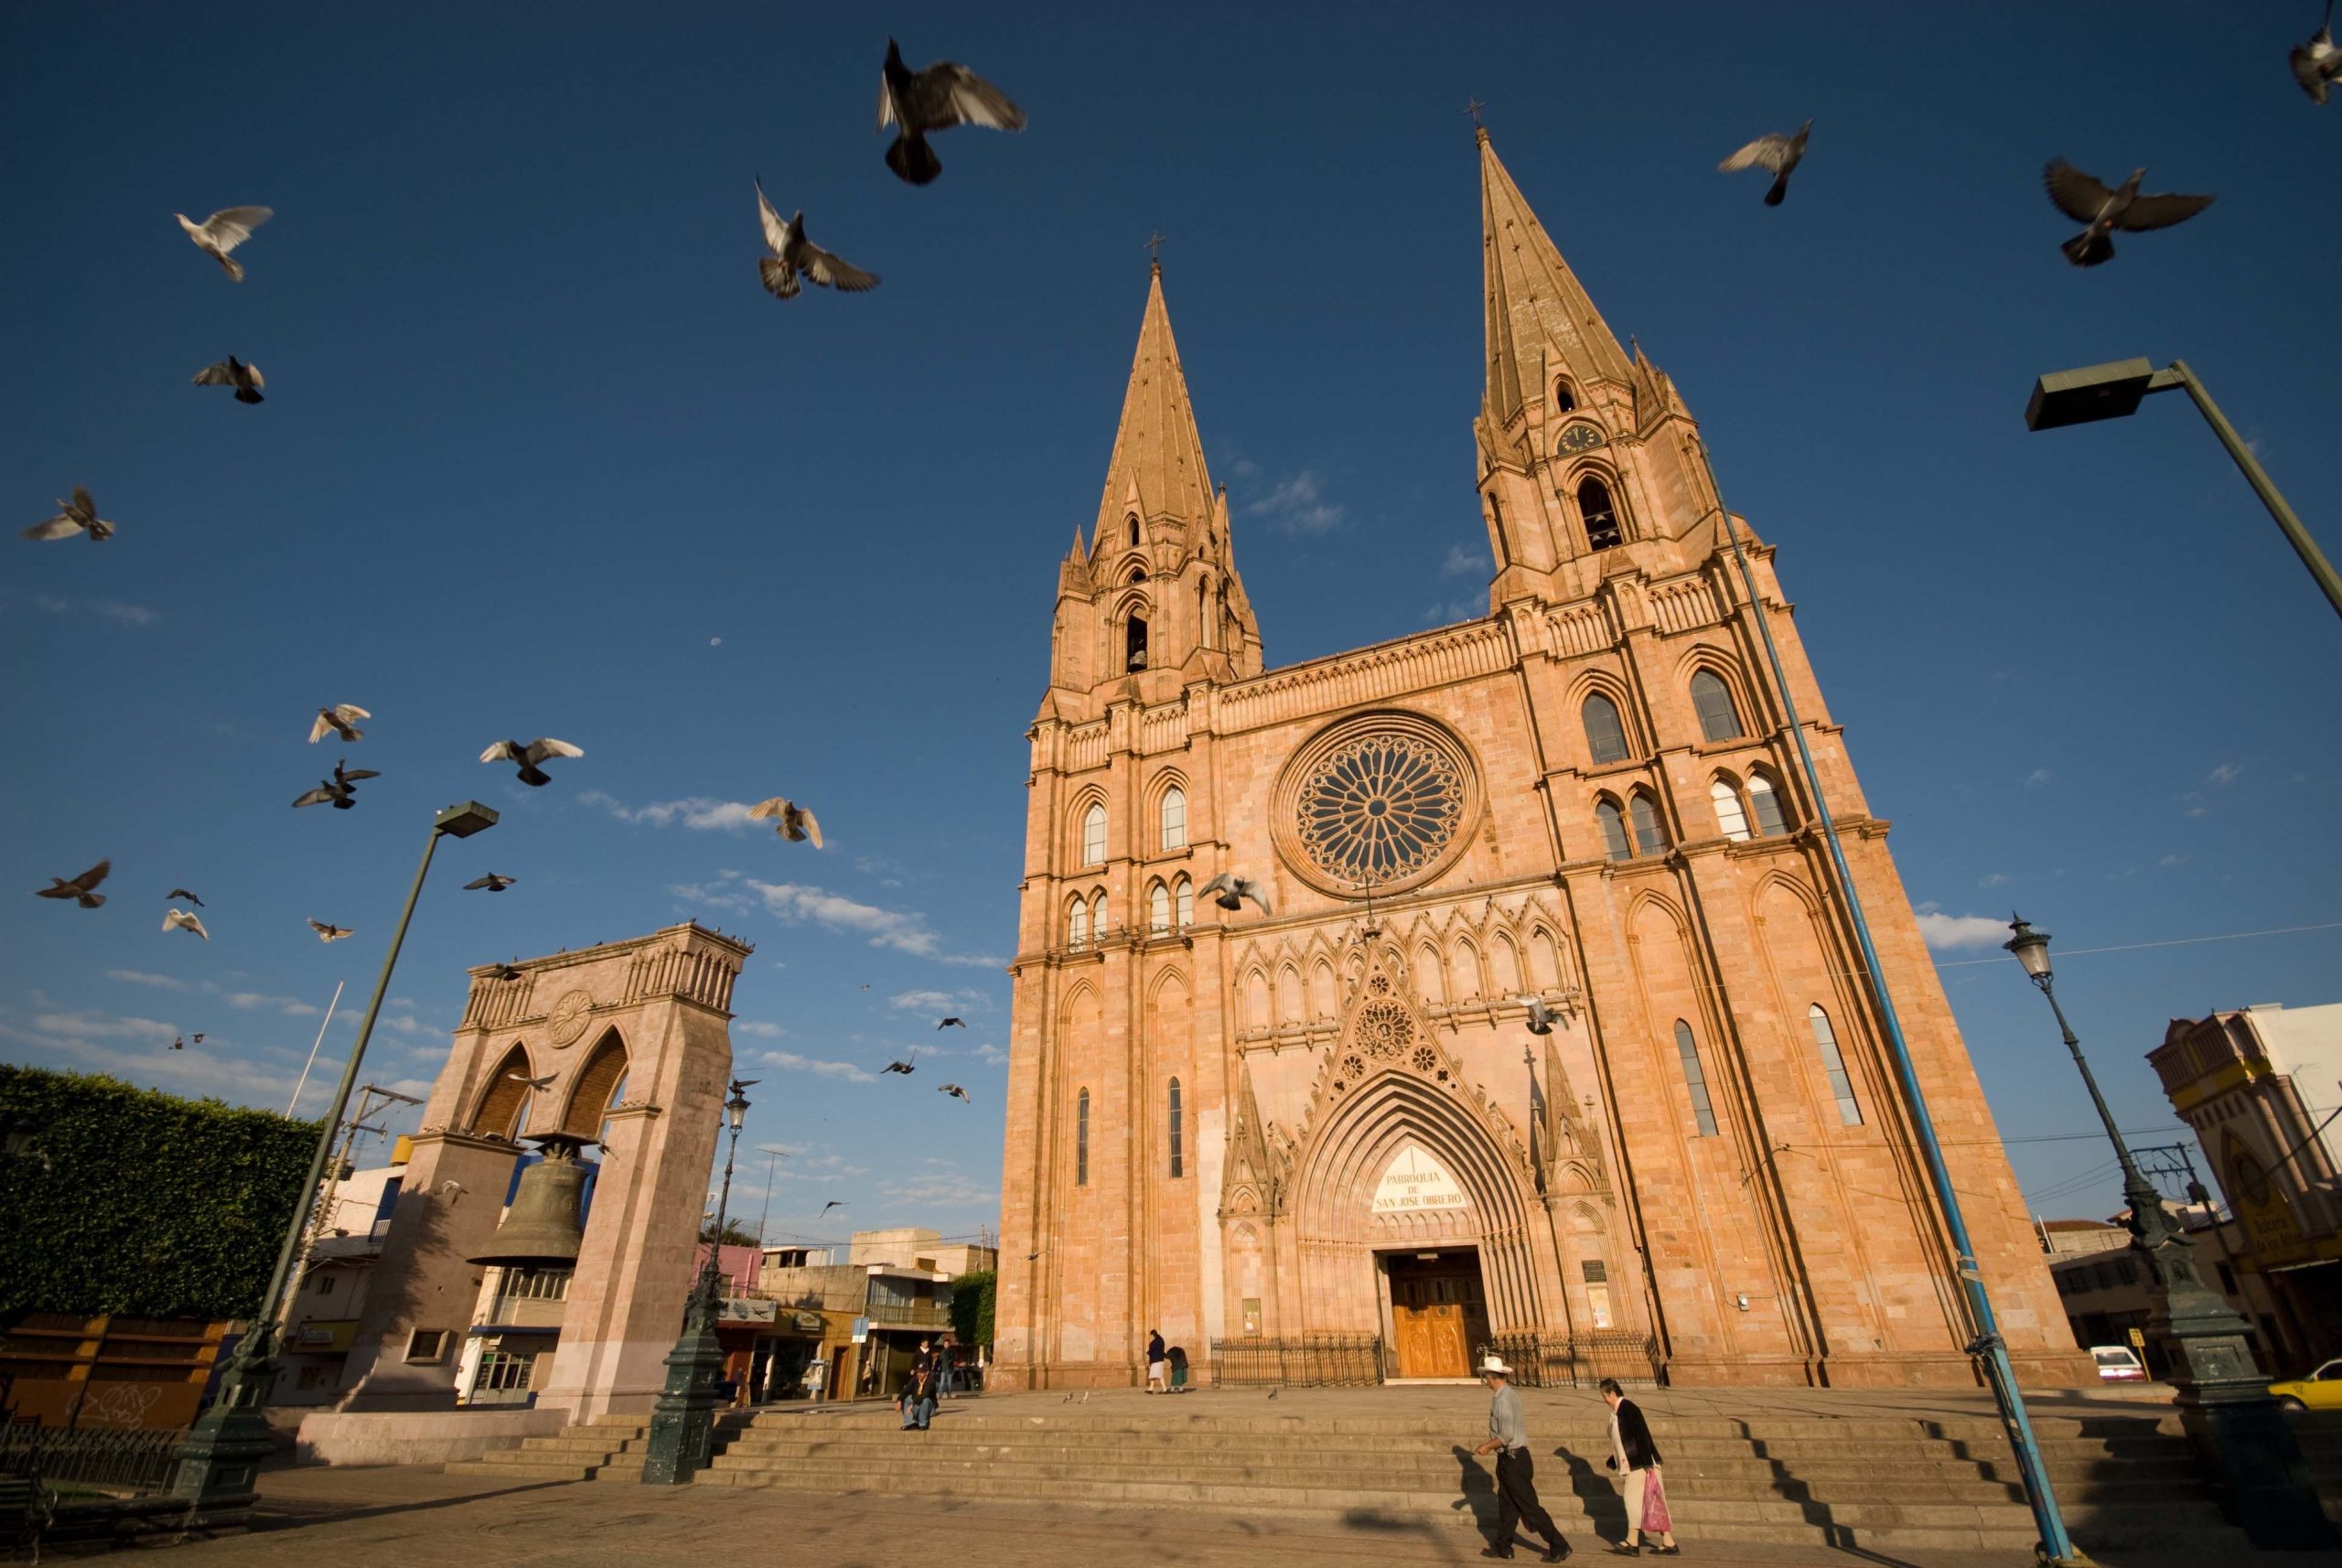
[
  {"x": 796, "y": 823},
  {"x": 794, "y": 256},
  {"x": 185, "y": 921},
  {"x": 1775, "y": 152},
  {"x": 1541, "y": 1017},
  {"x": 223, "y": 231},
  {"x": 338, "y": 720},
  {"x": 529, "y": 754},
  {"x": 79, "y": 516}
]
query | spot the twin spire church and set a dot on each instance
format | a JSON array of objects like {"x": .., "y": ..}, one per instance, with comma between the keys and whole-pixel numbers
[{"x": 1319, "y": 1136}]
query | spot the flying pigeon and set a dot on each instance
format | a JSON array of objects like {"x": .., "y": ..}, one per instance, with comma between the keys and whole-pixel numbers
[
  {"x": 79, "y": 516},
  {"x": 956, "y": 1092},
  {"x": 2318, "y": 64},
  {"x": 183, "y": 893},
  {"x": 943, "y": 95},
  {"x": 1541, "y": 1017},
  {"x": 78, "y": 888},
  {"x": 742, "y": 1085},
  {"x": 233, "y": 372},
  {"x": 180, "y": 920},
  {"x": 1771, "y": 151},
  {"x": 339, "y": 720},
  {"x": 340, "y": 789},
  {"x": 535, "y": 1083},
  {"x": 528, "y": 755},
  {"x": 504, "y": 971},
  {"x": 492, "y": 881},
  {"x": 953, "y": 1024},
  {"x": 2085, "y": 200},
  {"x": 178, "y": 1042},
  {"x": 905, "y": 1068},
  {"x": 329, "y": 933},
  {"x": 1234, "y": 890},
  {"x": 796, "y": 823},
  {"x": 223, "y": 231},
  {"x": 834, "y": 1203},
  {"x": 794, "y": 257}
]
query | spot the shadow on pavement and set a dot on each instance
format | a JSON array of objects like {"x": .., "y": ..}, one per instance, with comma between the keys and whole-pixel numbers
[{"x": 286, "y": 1514}]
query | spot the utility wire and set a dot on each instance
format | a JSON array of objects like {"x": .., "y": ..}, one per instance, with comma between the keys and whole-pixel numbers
[{"x": 2133, "y": 947}]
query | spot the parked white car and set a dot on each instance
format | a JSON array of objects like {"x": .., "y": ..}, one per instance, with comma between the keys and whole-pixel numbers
[{"x": 2118, "y": 1364}]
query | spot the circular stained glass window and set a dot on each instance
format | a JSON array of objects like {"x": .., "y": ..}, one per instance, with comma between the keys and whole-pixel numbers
[{"x": 1381, "y": 808}]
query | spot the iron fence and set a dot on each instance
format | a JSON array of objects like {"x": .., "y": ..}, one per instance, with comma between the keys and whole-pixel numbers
[
  {"x": 119, "y": 1462},
  {"x": 1312, "y": 1360},
  {"x": 1568, "y": 1361}
]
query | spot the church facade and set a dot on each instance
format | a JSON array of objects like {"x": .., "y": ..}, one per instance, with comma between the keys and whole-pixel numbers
[{"x": 1323, "y": 1127}]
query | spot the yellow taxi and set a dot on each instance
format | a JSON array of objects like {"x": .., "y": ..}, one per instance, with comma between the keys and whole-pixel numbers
[{"x": 2322, "y": 1389}]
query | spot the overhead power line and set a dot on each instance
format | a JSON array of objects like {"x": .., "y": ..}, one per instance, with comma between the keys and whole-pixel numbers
[{"x": 2168, "y": 942}]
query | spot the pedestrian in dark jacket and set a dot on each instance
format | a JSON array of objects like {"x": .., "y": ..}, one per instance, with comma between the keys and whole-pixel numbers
[
  {"x": 1635, "y": 1458},
  {"x": 1158, "y": 1370},
  {"x": 919, "y": 1389}
]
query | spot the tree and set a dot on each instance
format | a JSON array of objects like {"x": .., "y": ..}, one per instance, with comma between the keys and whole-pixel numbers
[
  {"x": 733, "y": 1235},
  {"x": 971, "y": 1305}
]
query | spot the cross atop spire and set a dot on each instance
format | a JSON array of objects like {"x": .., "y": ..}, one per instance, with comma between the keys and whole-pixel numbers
[
  {"x": 1473, "y": 108},
  {"x": 1154, "y": 250},
  {"x": 1540, "y": 318}
]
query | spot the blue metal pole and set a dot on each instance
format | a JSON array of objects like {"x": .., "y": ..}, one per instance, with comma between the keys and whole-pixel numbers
[{"x": 2055, "y": 1546}]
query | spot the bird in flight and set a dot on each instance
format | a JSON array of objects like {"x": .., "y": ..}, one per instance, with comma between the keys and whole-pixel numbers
[
  {"x": 329, "y": 933},
  {"x": 79, "y": 515},
  {"x": 904, "y": 1067},
  {"x": 956, "y": 1092},
  {"x": 795, "y": 823},
  {"x": 2318, "y": 64},
  {"x": 528, "y": 757},
  {"x": 341, "y": 720},
  {"x": 503, "y": 971},
  {"x": 181, "y": 921},
  {"x": 834, "y": 1203},
  {"x": 223, "y": 231},
  {"x": 539, "y": 1084},
  {"x": 794, "y": 257},
  {"x": 492, "y": 881},
  {"x": 2085, "y": 200},
  {"x": 81, "y": 889},
  {"x": 233, "y": 372},
  {"x": 340, "y": 789},
  {"x": 183, "y": 893},
  {"x": 943, "y": 95},
  {"x": 1541, "y": 1017},
  {"x": 178, "y": 1042},
  {"x": 953, "y": 1024},
  {"x": 1772, "y": 151},
  {"x": 1233, "y": 890},
  {"x": 742, "y": 1085},
  {"x": 197, "y": 1038}
]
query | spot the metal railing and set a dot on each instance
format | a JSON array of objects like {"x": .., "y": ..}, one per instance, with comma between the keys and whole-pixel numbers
[
  {"x": 1542, "y": 1361},
  {"x": 121, "y": 1462},
  {"x": 1312, "y": 1360}
]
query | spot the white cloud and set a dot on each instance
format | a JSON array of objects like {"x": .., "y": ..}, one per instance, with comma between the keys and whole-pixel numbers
[
  {"x": 704, "y": 812},
  {"x": 790, "y": 1061},
  {"x": 1461, "y": 563},
  {"x": 942, "y": 1187},
  {"x": 760, "y": 1030},
  {"x": 2037, "y": 778},
  {"x": 904, "y": 930},
  {"x": 962, "y": 1000},
  {"x": 140, "y": 977},
  {"x": 991, "y": 1056},
  {"x": 1947, "y": 932},
  {"x": 2226, "y": 773},
  {"x": 1449, "y": 612},
  {"x": 88, "y": 1024},
  {"x": 1297, "y": 505},
  {"x": 251, "y": 1001},
  {"x": 2172, "y": 860},
  {"x": 1994, "y": 879},
  {"x": 129, "y": 615}
]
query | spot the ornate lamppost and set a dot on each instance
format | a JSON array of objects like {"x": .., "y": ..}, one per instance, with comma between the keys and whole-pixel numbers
[
  {"x": 683, "y": 1423},
  {"x": 2223, "y": 1397}
]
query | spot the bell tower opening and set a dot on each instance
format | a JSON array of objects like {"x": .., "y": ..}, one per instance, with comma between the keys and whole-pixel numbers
[{"x": 1134, "y": 643}]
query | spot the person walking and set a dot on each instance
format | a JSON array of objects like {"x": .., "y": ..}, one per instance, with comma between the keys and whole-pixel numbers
[
  {"x": 1635, "y": 1458},
  {"x": 1159, "y": 1366},
  {"x": 1516, "y": 1475}
]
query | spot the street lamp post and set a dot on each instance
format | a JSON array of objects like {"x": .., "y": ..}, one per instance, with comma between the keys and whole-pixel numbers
[
  {"x": 2223, "y": 1399},
  {"x": 683, "y": 1423},
  {"x": 222, "y": 1451},
  {"x": 2114, "y": 390}
]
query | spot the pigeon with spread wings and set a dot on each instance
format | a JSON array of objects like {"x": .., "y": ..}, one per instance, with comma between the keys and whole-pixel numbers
[
  {"x": 1780, "y": 153},
  {"x": 953, "y": 1024},
  {"x": 2318, "y": 64},
  {"x": 491, "y": 883},
  {"x": 795, "y": 257},
  {"x": 183, "y": 893},
  {"x": 329, "y": 933},
  {"x": 79, "y": 515},
  {"x": 528, "y": 755},
  {"x": 956, "y": 1092},
  {"x": 943, "y": 95},
  {"x": 789, "y": 820},
  {"x": 2085, "y": 200},
  {"x": 1541, "y": 1017},
  {"x": 834, "y": 1203},
  {"x": 340, "y": 789},
  {"x": 341, "y": 720},
  {"x": 906, "y": 1067},
  {"x": 183, "y": 921},
  {"x": 1233, "y": 890},
  {"x": 233, "y": 372},
  {"x": 223, "y": 231},
  {"x": 81, "y": 889}
]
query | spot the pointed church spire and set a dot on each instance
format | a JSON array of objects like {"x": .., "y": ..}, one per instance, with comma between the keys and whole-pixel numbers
[
  {"x": 1158, "y": 461},
  {"x": 1541, "y": 321}
]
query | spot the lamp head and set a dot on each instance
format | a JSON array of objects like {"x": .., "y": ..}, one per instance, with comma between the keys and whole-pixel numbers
[
  {"x": 2083, "y": 396},
  {"x": 736, "y": 1110},
  {"x": 465, "y": 819},
  {"x": 2031, "y": 947}
]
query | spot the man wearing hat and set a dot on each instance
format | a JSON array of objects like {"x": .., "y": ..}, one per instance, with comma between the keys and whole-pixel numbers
[{"x": 1516, "y": 1476}]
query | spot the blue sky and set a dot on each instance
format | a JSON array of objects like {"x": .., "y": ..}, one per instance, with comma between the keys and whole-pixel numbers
[{"x": 539, "y": 458}]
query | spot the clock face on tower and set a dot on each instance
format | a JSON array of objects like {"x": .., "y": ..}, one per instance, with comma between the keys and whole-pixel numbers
[
  {"x": 1581, "y": 437},
  {"x": 567, "y": 1019}
]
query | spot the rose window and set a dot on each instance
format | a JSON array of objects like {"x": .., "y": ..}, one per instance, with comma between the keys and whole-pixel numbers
[
  {"x": 1384, "y": 1028},
  {"x": 1425, "y": 1058},
  {"x": 1353, "y": 1067},
  {"x": 1380, "y": 808}
]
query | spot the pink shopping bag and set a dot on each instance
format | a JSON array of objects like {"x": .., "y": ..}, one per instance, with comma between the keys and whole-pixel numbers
[{"x": 1656, "y": 1520}]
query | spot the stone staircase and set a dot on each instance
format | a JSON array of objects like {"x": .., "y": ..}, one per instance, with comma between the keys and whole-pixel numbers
[
  {"x": 609, "y": 1448},
  {"x": 1777, "y": 1477}
]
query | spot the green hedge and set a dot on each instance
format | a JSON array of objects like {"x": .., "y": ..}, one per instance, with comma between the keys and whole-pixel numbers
[
  {"x": 972, "y": 1303},
  {"x": 119, "y": 1200}
]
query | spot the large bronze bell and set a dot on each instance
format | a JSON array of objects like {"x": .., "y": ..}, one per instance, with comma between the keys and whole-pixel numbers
[{"x": 540, "y": 1229}]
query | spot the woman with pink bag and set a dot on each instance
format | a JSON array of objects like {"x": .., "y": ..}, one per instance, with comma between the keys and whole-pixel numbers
[{"x": 1636, "y": 1459}]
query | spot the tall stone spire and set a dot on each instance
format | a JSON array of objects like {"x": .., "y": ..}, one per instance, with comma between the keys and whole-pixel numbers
[
  {"x": 1541, "y": 321},
  {"x": 1157, "y": 470}
]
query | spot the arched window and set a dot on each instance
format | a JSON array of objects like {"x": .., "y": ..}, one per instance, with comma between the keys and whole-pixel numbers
[
  {"x": 1606, "y": 735},
  {"x": 1183, "y": 904},
  {"x": 1712, "y": 698},
  {"x": 1134, "y": 520},
  {"x": 1134, "y": 643},
  {"x": 1097, "y": 916},
  {"x": 1081, "y": 1139},
  {"x": 1093, "y": 835},
  {"x": 1825, "y": 1041},
  {"x": 1178, "y": 1140},
  {"x": 1614, "y": 842},
  {"x": 1565, "y": 400},
  {"x": 1730, "y": 817},
  {"x": 1138, "y": 574},
  {"x": 1174, "y": 818},
  {"x": 1203, "y": 614},
  {"x": 1765, "y": 806},
  {"x": 1650, "y": 838},
  {"x": 1077, "y": 922},
  {"x": 1158, "y": 910},
  {"x": 1695, "y": 1079},
  {"x": 1600, "y": 514}
]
